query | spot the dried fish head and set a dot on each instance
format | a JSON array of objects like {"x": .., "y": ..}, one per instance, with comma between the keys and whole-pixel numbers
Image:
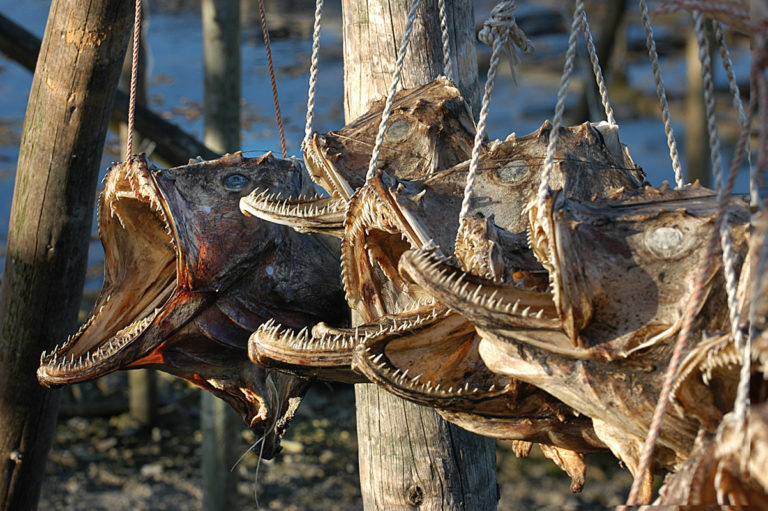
[
  {"x": 188, "y": 277},
  {"x": 430, "y": 129}
]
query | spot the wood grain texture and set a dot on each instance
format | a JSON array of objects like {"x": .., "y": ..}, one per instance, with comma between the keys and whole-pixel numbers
[
  {"x": 372, "y": 34},
  {"x": 410, "y": 458},
  {"x": 66, "y": 122}
]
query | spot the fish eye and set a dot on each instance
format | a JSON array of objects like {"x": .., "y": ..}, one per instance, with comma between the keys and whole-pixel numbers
[
  {"x": 234, "y": 182},
  {"x": 513, "y": 171}
]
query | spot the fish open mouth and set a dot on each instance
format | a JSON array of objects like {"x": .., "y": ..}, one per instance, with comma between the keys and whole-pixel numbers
[
  {"x": 325, "y": 351},
  {"x": 323, "y": 215},
  {"x": 140, "y": 257},
  {"x": 377, "y": 233},
  {"x": 147, "y": 312}
]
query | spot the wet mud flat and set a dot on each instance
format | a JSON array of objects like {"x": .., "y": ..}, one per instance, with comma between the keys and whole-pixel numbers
[{"x": 111, "y": 463}]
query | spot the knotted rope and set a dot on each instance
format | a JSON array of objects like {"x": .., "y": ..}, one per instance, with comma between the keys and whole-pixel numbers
[
  {"x": 313, "y": 75},
  {"x": 500, "y": 31},
  {"x": 384, "y": 124}
]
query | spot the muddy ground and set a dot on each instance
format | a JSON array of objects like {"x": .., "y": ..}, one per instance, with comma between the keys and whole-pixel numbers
[{"x": 111, "y": 463}]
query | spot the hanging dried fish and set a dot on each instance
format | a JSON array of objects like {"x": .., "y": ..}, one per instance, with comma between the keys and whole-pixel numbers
[
  {"x": 430, "y": 129},
  {"x": 188, "y": 278}
]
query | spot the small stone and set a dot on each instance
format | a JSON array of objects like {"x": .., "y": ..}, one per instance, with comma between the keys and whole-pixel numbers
[
  {"x": 292, "y": 447},
  {"x": 106, "y": 444},
  {"x": 151, "y": 470}
]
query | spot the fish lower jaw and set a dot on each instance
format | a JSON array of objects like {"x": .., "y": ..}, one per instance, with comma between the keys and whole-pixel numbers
[
  {"x": 63, "y": 366},
  {"x": 415, "y": 384},
  {"x": 463, "y": 292}
]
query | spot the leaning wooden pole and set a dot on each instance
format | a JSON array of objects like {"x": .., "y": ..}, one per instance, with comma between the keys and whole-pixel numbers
[
  {"x": 220, "y": 425},
  {"x": 69, "y": 108},
  {"x": 409, "y": 456}
]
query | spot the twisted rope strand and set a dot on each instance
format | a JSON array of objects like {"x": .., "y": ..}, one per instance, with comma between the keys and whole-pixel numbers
[
  {"x": 598, "y": 72},
  {"x": 661, "y": 93},
  {"x": 384, "y": 124},
  {"x": 743, "y": 344},
  {"x": 272, "y": 81},
  {"x": 557, "y": 119},
  {"x": 447, "y": 60},
  {"x": 134, "y": 80},
  {"x": 480, "y": 131},
  {"x": 313, "y": 75},
  {"x": 720, "y": 231}
]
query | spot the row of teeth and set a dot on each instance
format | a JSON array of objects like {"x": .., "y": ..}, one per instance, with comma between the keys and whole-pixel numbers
[
  {"x": 537, "y": 242},
  {"x": 140, "y": 191},
  {"x": 453, "y": 281},
  {"x": 118, "y": 342},
  {"x": 272, "y": 203},
  {"x": 271, "y": 332},
  {"x": 727, "y": 355},
  {"x": 416, "y": 384},
  {"x": 369, "y": 216},
  {"x": 309, "y": 154}
]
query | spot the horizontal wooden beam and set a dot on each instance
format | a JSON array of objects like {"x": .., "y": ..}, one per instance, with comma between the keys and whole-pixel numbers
[{"x": 173, "y": 145}]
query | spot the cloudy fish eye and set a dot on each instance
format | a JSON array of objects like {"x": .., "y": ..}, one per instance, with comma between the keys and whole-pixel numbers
[
  {"x": 513, "y": 171},
  {"x": 234, "y": 182}
]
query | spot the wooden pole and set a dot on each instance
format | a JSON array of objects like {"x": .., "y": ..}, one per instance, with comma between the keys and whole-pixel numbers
[
  {"x": 70, "y": 103},
  {"x": 409, "y": 456},
  {"x": 221, "y": 70},
  {"x": 142, "y": 383}
]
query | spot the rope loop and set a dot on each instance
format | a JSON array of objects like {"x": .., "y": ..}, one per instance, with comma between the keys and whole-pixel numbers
[{"x": 501, "y": 26}]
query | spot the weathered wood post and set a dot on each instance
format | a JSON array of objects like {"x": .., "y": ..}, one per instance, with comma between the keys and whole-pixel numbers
[
  {"x": 409, "y": 456},
  {"x": 70, "y": 103},
  {"x": 221, "y": 73}
]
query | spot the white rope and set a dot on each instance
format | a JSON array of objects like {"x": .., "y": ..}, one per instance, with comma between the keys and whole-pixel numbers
[
  {"x": 743, "y": 344},
  {"x": 722, "y": 228},
  {"x": 392, "y": 90},
  {"x": 661, "y": 93},
  {"x": 447, "y": 60},
  {"x": 598, "y": 72},
  {"x": 500, "y": 31},
  {"x": 557, "y": 119},
  {"x": 722, "y": 191},
  {"x": 313, "y": 75}
]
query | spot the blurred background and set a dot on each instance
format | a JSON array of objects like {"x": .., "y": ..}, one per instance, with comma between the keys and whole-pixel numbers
[{"x": 105, "y": 457}]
